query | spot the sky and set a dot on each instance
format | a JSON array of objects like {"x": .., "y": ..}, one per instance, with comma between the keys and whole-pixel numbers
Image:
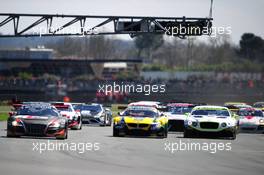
[{"x": 241, "y": 15}]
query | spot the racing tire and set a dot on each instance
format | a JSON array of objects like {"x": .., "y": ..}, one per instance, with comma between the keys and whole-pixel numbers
[
  {"x": 187, "y": 133},
  {"x": 12, "y": 136},
  {"x": 165, "y": 134},
  {"x": 109, "y": 122},
  {"x": 115, "y": 132},
  {"x": 79, "y": 127},
  {"x": 65, "y": 136},
  {"x": 232, "y": 135},
  {"x": 104, "y": 124}
]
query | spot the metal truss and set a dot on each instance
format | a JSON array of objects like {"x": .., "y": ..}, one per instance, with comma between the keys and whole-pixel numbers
[{"x": 132, "y": 25}]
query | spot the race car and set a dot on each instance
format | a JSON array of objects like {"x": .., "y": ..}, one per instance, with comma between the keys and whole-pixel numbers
[
  {"x": 177, "y": 113},
  {"x": 38, "y": 119},
  {"x": 18, "y": 104},
  {"x": 235, "y": 106},
  {"x": 235, "y": 103},
  {"x": 210, "y": 120},
  {"x": 77, "y": 107},
  {"x": 259, "y": 106},
  {"x": 155, "y": 104},
  {"x": 96, "y": 114},
  {"x": 251, "y": 120},
  {"x": 67, "y": 111},
  {"x": 145, "y": 103},
  {"x": 141, "y": 120}
]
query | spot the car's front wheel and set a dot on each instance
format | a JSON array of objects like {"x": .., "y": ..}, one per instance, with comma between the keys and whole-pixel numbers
[
  {"x": 187, "y": 133},
  {"x": 64, "y": 136},
  {"x": 80, "y": 125},
  {"x": 115, "y": 132},
  {"x": 12, "y": 136},
  {"x": 233, "y": 135}
]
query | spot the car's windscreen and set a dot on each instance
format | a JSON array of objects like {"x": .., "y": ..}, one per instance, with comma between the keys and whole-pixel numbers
[
  {"x": 140, "y": 113},
  {"x": 259, "y": 105},
  {"x": 77, "y": 107},
  {"x": 250, "y": 113},
  {"x": 37, "y": 111},
  {"x": 222, "y": 113},
  {"x": 180, "y": 110},
  {"x": 93, "y": 108}
]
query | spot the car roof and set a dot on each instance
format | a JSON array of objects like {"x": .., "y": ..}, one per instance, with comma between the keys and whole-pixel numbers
[
  {"x": 144, "y": 103},
  {"x": 249, "y": 109},
  {"x": 180, "y": 104},
  {"x": 235, "y": 103},
  {"x": 61, "y": 103},
  {"x": 41, "y": 105},
  {"x": 142, "y": 108},
  {"x": 260, "y": 102},
  {"x": 210, "y": 108}
]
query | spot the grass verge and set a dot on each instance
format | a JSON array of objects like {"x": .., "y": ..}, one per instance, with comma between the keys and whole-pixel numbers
[{"x": 4, "y": 112}]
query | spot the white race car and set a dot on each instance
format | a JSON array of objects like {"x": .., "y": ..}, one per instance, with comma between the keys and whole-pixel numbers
[
  {"x": 210, "y": 120},
  {"x": 67, "y": 111},
  {"x": 177, "y": 113},
  {"x": 96, "y": 114},
  {"x": 251, "y": 120}
]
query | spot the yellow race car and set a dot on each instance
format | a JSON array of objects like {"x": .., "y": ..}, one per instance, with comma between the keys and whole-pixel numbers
[{"x": 141, "y": 120}]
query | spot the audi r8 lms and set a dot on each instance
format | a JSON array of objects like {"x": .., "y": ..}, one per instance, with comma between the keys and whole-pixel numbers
[
  {"x": 210, "y": 120},
  {"x": 251, "y": 120},
  {"x": 67, "y": 111},
  {"x": 38, "y": 119},
  {"x": 141, "y": 120},
  {"x": 177, "y": 113},
  {"x": 96, "y": 114}
]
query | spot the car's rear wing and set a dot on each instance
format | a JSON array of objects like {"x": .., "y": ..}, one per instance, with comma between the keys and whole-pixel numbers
[{"x": 122, "y": 107}]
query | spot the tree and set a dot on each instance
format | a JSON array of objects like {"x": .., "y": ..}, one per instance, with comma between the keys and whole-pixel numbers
[
  {"x": 252, "y": 47},
  {"x": 148, "y": 42},
  {"x": 100, "y": 47}
]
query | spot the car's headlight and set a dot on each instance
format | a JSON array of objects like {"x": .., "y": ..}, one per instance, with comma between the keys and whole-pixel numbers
[
  {"x": 75, "y": 117},
  {"x": 156, "y": 125},
  {"x": 189, "y": 122},
  {"x": 194, "y": 124},
  {"x": 57, "y": 124},
  {"x": 17, "y": 122},
  {"x": 261, "y": 121},
  {"x": 223, "y": 125}
]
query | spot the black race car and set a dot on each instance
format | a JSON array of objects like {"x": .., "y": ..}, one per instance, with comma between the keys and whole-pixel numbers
[{"x": 37, "y": 119}]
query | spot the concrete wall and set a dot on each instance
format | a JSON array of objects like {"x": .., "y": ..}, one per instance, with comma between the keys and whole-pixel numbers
[{"x": 184, "y": 75}]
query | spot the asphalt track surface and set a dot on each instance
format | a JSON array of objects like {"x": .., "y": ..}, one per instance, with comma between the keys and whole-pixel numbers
[{"x": 129, "y": 155}]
